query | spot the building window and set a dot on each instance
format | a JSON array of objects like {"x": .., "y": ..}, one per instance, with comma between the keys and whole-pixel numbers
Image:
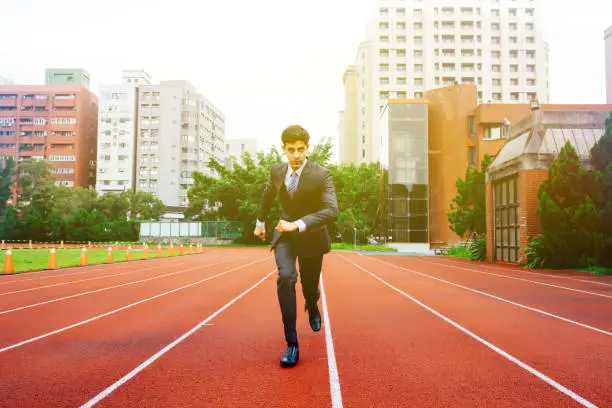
[
  {"x": 400, "y": 52},
  {"x": 384, "y": 52},
  {"x": 472, "y": 156},
  {"x": 383, "y": 25},
  {"x": 472, "y": 127},
  {"x": 493, "y": 132},
  {"x": 401, "y": 81},
  {"x": 384, "y": 81},
  {"x": 363, "y": 154}
]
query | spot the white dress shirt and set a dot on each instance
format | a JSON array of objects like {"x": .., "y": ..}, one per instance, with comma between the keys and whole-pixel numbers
[{"x": 299, "y": 223}]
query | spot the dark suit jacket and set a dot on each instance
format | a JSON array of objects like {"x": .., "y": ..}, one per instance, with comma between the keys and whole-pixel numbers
[{"x": 314, "y": 202}]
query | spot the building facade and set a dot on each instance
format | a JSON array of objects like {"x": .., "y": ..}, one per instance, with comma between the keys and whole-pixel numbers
[
  {"x": 67, "y": 76},
  {"x": 178, "y": 132},
  {"x": 56, "y": 123},
  {"x": 608, "y": 39},
  {"x": 234, "y": 148},
  {"x": 117, "y": 133},
  {"x": 414, "y": 46},
  {"x": 457, "y": 133}
]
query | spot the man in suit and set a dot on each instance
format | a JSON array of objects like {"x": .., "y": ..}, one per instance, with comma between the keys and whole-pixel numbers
[{"x": 308, "y": 200}]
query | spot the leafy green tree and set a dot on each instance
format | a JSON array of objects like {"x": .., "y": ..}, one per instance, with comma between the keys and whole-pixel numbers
[
  {"x": 468, "y": 209},
  {"x": 570, "y": 219},
  {"x": 6, "y": 183},
  {"x": 114, "y": 206},
  {"x": 144, "y": 205},
  {"x": 11, "y": 228},
  {"x": 358, "y": 191},
  {"x": 32, "y": 175}
]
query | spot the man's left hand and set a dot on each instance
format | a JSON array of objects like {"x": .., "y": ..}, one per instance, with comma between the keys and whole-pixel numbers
[{"x": 285, "y": 226}]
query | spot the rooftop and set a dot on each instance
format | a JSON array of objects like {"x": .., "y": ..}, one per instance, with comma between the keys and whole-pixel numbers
[{"x": 543, "y": 133}]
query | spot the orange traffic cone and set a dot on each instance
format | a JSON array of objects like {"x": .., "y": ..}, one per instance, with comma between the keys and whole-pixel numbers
[
  {"x": 3, "y": 244},
  {"x": 171, "y": 249},
  {"x": 128, "y": 254},
  {"x": 30, "y": 244},
  {"x": 145, "y": 252},
  {"x": 52, "y": 260},
  {"x": 182, "y": 250},
  {"x": 62, "y": 245},
  {"x": 191, "y": 249},
  {"x": 84, "y": 261},
  {"x": 109, "y": 256},
  {"x": 160, "y": 253},
  {"x": 200, "y": 249},
  {"x": 9, "y": 266}
]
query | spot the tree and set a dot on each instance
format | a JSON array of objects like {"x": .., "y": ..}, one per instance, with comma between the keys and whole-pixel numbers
[
  {"x": 358, "y": 193},
  {"x": 114, "y": 206},
  {"x": 11, "y": 227},
  {"x": 6, "y": 183},
  {"x": 570, "y": 219},
  {"x": 144, "y": 205},
  {"x": 33, "y": 174},
  {"x": 601, "y": 159},
  {"x": 468, "y": 209}
]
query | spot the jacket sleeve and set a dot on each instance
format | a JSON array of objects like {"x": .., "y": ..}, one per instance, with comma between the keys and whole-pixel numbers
[
  {"x": 267, "y": 198},
  {"x": 329, "y": 208}
]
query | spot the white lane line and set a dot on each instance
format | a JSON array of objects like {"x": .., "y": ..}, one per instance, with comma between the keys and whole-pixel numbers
[
  {"x": 81, "y": 280},
  {"x": 515, "y": 278},
  {"x": 334, "y": 378},
  {"x": 537, "y": 273},
  {"x": 169, "y": 347},
  {"x": 493, "y": 347},
  {"x": 87, "y": 269},
  {"x": 533, "y": 309},
  {"x": 111, "y": 287},
  {"x": 100, "y": 316}
]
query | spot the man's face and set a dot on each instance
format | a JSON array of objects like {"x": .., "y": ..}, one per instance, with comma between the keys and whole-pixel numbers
[{"x": 296, "y": 153}]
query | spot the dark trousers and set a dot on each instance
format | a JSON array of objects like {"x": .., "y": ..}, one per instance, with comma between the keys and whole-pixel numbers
[{"x": 286, "y": 252}]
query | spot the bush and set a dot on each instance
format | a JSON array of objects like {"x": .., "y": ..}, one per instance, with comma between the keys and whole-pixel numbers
[
  {"x": 478, "y": 249},
  {"x": 536, "y": 252}
]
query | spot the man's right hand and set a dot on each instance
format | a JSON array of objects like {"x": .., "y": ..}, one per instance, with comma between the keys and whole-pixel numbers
[{"x": 260, "y": 232}]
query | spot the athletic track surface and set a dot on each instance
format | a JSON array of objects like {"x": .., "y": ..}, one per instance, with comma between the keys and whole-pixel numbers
[{"x": 205, "y": 331}]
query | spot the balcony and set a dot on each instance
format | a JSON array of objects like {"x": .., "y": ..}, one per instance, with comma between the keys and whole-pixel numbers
[
  {"x": 8, "y": 102},
  {"x": 64, "y": 103}
]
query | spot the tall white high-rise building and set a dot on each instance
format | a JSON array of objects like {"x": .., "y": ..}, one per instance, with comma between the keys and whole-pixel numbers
[
  {"x": 417, "y": 45},
  {"x": 179, "y": 131},
  {"x": 117, "y": 136},
  {"x": 608, "y": 39},
  {"x": 235, "y": 148}
]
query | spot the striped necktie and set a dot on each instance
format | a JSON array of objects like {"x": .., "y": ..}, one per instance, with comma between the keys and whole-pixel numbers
[{"x": 293, "y": 181}]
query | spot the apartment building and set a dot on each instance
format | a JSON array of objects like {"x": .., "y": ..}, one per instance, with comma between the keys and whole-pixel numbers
[
  {"x": 235, "y": 148},
  {"x": 608, "y": 39},
  {"x": 57, "y": 123},
  {"x": 178, "y": 132},
  {"x": 117, "y": 133},
  {"x": 415, "y": 45},
  {"x": 67, "y": 76}
]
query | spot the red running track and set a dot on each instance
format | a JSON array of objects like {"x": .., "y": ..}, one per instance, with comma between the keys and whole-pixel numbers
[{"x": 205, "y": 330}]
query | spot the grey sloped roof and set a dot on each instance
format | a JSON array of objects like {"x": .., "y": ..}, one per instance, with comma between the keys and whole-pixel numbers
[{"x": 545, "y": 139}]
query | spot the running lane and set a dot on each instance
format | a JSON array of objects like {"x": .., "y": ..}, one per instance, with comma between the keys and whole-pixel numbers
[
  {"x": 571, "y": 355},
  {"x": 234, "y": 362},
  {"x": 582, "y": 305},
  {"x": 69, "y": 368},
  {"x": 391, "y": 352}
]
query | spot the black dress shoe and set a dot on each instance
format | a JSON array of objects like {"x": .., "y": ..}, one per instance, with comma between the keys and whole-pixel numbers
[
  {"x": 290, "y": 356},
  {"x": 315, "y": 321}
]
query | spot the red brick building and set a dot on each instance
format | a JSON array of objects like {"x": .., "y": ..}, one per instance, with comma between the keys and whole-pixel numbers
[
  {"x": 514, "y": 177},
  {"x": 56, "y": 123}
]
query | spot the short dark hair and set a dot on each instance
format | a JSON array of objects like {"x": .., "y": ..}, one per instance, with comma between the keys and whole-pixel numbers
[{"x": 295, "y": 133}]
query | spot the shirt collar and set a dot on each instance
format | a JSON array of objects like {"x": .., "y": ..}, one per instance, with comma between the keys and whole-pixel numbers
[{"x": 298, "y": 171}]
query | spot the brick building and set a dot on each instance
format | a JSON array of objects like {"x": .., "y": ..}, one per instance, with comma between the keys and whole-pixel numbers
[
  {"x": 57, "y": 123},
  {"x": 429, "y": 143},
  {"x": 514, "y": 177}
]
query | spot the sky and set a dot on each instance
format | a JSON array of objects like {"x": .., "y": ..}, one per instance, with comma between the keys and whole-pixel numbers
[{"x": 266, "y": 64}]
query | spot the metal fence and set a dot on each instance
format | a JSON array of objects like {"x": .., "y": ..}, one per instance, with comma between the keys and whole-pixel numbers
[{"x": 216, "y": 230}]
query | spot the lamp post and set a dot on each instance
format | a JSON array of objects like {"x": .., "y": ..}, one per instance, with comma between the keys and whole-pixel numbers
[{"x": 355, "y": 239}]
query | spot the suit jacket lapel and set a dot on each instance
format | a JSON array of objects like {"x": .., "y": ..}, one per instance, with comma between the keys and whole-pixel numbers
[
  {"x": 280, "y": 178},
  {"x": 303, "y": 178}
]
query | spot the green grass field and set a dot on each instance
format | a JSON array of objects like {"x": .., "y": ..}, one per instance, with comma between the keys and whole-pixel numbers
[
  {"x": 350, "y": 247},
  {"x": 37, "y": 259},
  {"x": 458, "y": 252}
]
